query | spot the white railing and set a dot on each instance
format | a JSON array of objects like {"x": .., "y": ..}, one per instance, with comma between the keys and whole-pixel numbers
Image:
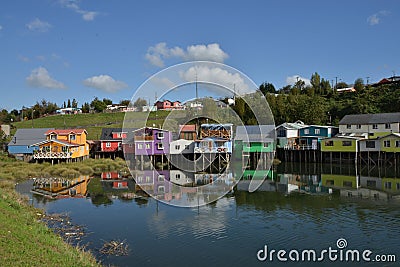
[
  {"x": 300, "y": 147},
  {"x": 52, "y": 155}
]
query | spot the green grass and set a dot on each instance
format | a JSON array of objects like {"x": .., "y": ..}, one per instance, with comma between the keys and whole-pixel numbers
[
  {"x": 93, "y": 123},
  {"x": 24, "y": 241}
]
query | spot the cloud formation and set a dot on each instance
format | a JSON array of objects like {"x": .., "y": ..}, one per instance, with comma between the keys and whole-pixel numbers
[
  {"x": 291, "y": 80},
  {"x": 73, "y": 5},
  {"x": 38, "y": 26},
  {"x": 375, "y": 19},
  {"x": 40, "y": 78},
  {"x": 104, "y": 83},
  {"x": 211, "y": 52}
]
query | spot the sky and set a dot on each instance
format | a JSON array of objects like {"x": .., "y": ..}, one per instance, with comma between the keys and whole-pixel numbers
[{"x": 59, "y": 49}]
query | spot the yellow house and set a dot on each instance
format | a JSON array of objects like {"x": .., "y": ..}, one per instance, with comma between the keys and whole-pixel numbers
[
  {"x": 340, "y": 144},
  {"x": 69, "y": 144},
  {"x": 390, "y": 143}
]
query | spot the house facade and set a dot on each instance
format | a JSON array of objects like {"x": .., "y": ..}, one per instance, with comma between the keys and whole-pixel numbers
[
  {"x": 63, "y": 144},
  {"x": 341, "y": 144},
  {"x": 288, "y": 134},
  {"x": 188, "y": 132},
  {"x": 254, "y": 138},
  {"x": 111, "y": 139},
  {"x": 374, "y": 125},
  {"x": 311, "y": 135},
  {"x": 215, "y": 138},
  {"x": 168, "y": 105},
  {"x": 152, "y": 141}
]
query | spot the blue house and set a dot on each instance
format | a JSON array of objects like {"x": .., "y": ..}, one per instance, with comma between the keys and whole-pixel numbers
[
  {"x": 311, "y": 135},
  {"x": 21, "y": 145}
]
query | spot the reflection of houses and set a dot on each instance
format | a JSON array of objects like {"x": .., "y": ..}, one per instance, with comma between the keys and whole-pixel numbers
[
  {"x": 22, "y": 144},
  {"x": 60, "y": 187},
  {"x": 68, "y": 144},
  {"x": 340, "y": 181},
  {"x": 155, "y": 183},
  {"x": 116, "y": 180},
  {"x": 181, "y": 177}
]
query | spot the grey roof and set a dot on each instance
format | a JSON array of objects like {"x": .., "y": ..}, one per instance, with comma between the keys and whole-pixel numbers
[
  {"x": 29, "y": 136},
  {"x": 255, "y": 133},
  {"x": 106, "y": 133},
  {"x": 371, "y": 118}
]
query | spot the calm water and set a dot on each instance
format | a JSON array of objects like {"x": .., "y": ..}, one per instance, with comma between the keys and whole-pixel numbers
[{"x": 232, "y": 230}]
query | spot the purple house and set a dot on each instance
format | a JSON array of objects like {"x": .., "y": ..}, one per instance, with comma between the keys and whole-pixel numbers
[
  {"x": 152, "y": 141},
  {"x": 154, "y": 182}
]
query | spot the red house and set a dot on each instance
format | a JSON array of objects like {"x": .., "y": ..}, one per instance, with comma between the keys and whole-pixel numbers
[
  {"x": 111, "y": 140},
  {"x": 110, "y": 176},
  {"x": 188, "y": 132},
  {"x": 168, "y": 105}
]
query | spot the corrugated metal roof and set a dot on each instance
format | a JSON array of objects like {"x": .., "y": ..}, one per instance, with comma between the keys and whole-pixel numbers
[
  {"x": 371, "y": 118},
  {"x": 106, "y": 133},
  {"x": 66, "y": 131},
  {"x": 27, "y": 137},
  {"x": 255, "y": 133}
]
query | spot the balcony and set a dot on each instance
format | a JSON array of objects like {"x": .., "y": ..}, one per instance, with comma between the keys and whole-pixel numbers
[
  {"x": 143, "y": 138},
  {"x": 52, "y": 155}
]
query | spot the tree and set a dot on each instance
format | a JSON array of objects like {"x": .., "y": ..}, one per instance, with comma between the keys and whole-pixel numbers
[
  {"x": 107, "y": 101},
  {"x": 98, "y": 105},
  {"x": 140, "y": 103},
  {"x": 74, "y": 103},
  {"x": 64, "y": 105},
  {"x": 316, "y": 82},
  {"x": 69, "y": 103},
  {"x": 342, "y": 85},
  {"x": 266, "y": 88},
  {"x": 125, "y": 102},
  {"x": 359, "y": 84},
  {"x": 86, "y": 107}
]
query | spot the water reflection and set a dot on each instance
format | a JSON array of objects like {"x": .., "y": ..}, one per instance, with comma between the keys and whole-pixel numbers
[{"x": 61, "y": 187}]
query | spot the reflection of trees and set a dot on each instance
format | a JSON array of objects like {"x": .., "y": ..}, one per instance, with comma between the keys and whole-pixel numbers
[
  {"x": 100, "y": 199},
  {"x": 141, "y": 202}
]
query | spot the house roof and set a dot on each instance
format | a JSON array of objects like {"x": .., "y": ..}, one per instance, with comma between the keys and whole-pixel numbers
[
  {"x": 56, "y": 141},
  {"x": 65, "y": 131},
  {"x": 293, "y": 125},
  {"x": 107, "y": 133},
  {"x": 187, "y": 128},
  {"x": 255, "y": 133},
  {"x": 27, "y": 137},
  {"x": 371, "y": 118}
]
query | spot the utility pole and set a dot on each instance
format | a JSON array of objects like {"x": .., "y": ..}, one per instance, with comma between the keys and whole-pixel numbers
[
  {"x": 336, "y": 82},
  {"x": 367, "y": 80}
]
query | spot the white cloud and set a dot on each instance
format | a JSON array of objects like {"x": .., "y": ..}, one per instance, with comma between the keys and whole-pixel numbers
[
  {"x": 105, "y": 83},
  {"x": 211, "y": 52},
  {"x": 216, "y": 76},
  {"x": 38, "y": 25},
  {"x": 375, "y": 19},
  {"x": 73, "y": 5},
  {"x": 291, "y": 80},
  {"x": 40, "y": 77}
]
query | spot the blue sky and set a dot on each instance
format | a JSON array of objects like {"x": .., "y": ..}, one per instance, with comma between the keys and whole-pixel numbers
[{"x": 58, "y": 49}]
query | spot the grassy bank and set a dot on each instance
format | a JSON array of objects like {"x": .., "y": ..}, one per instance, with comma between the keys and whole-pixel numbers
[
  {"x": 11, "y": 169},
  {"x": 24, "y": 241}
]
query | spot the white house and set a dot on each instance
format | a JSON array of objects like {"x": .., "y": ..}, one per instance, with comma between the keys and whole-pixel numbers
[
  {"x": 288, "y": 133},
  {"x": 181, "y": 146}
]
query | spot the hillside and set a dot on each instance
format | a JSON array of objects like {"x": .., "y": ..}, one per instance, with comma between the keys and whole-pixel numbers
[{"x": 93, "y": 123}]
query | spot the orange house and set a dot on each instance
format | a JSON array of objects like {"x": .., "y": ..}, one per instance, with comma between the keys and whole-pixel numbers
[{"x": 68, "y": 144}]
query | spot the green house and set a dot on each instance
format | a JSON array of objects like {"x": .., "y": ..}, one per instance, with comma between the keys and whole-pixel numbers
[
  {"x": 254, "y": 138},
  {"x": 340, "y": 144},
  {"x": 390, "y": 143}
]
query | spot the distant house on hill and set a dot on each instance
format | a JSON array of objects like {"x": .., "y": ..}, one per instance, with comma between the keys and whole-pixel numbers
[
  {"x": 390, "y": 80},
  {"x": 169, "y": 105},
  {"x": 22, "y": 144},
  {"x": 64, "y": 111}
]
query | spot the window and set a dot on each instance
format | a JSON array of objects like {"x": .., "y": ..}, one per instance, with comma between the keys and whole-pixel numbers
[
  {"x": 119, "y": 135},
  {"x": 330, "y": 182},
  {"x": 187, "y": 146},
  {"x": 281, "y": 132},
  {"x": 388, "y": 185},
  {"x": 72, "y": 137},
  {"x": 370, "y": 144},
  {"x": 130, "y": 145},
  {"x": 139, "y": 179},
  {"x": 266, "y": 144},
  {"x": 177, "y": 176},
  {"x": 160, "y": 146},
  {"x": 148, "y": 179},
  {"x": 161, "y": 189},
  {"x": 161, "y": 178},
  {"x": 371, "y": 183},
  {"x": 160, "y": 135},
  {"x": 358, "y": 126},
  {"x": 147, "y": 146},
  {"x": 306, "y": 131},
  {"x": 140, "y": 146},
  {"x": 387, "y": 126},
  {"x": 398, "y": 186},
  {"x": 347, "y": 184},
  {"x": 374, "y": 126},
  {"x": 386, "y": 143},
  {"x": 53, "y": 137},
  {"x": 346, "y": 143},
  {"x": 348, "y": 126},
  {"x": 329, "y": 143},
  {"x": 108, "y": 144},
  {"x": 397, "y": 143},
  {"x": 177, "y": 147},
  {"x": 317, "y": 131}
]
